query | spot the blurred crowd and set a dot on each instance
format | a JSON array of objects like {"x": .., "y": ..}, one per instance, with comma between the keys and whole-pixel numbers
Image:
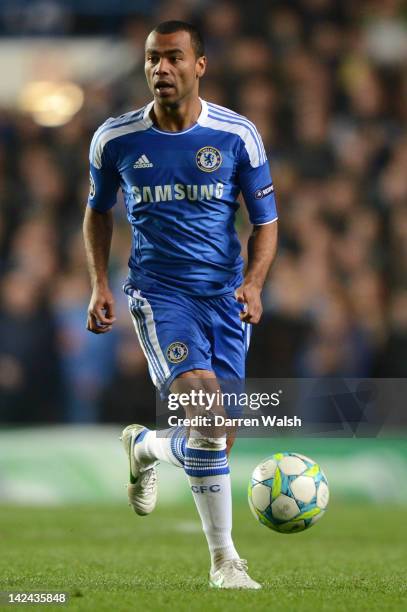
[{"x": 326, "y": 84}]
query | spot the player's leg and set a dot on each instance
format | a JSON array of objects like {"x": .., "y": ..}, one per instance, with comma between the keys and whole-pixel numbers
[
  {"x": 229, "y": 345},
  {"x": 172, "y": 342},
  {"x": 207, "y": 470},
  {"x": 206, "y": 467}
]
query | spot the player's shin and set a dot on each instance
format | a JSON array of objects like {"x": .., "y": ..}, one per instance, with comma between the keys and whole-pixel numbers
[{"x": 207, "y": 469}]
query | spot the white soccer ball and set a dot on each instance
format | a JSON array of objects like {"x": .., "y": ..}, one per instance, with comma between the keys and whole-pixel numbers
[{"x": 288, "y": 492}]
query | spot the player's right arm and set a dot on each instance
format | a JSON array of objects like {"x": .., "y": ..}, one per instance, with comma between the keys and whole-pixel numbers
[{"x": 97, "y": 233}]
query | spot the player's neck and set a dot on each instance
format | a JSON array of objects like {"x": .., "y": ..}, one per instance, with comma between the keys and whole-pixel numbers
[{"x": 176, "y": 118}]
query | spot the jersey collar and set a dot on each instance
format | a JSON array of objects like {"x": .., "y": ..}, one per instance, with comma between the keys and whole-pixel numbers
[
  {"x": 204, "y": 112},
  {"x": 201, "y": 119}
]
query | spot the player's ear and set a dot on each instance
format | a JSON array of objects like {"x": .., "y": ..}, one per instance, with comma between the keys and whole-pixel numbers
[{"x": 200, "y": 67}]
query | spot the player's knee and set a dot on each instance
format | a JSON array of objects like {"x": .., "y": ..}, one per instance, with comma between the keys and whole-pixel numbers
[
  {"x": 205, "y": 409},
  {"x": 202, "y": 387},
  {"x": 197, "y": 374},
  {"x": 195, "y": 380}
]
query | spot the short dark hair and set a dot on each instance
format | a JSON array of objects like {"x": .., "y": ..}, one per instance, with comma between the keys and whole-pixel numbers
[{"x": 169, "y": 27}]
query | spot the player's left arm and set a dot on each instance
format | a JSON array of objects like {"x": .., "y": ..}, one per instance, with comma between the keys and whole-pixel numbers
[
  {"x": 258, "y": 191},
  {"x": 262, "y": 248}
]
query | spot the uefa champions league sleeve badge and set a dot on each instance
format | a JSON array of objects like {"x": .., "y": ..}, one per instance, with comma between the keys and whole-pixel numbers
[{"x": 92, "y": 186}]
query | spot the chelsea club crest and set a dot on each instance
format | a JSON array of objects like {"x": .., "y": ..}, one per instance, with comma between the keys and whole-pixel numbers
[
  {"x": 208, "y": 159},
  {"x": 177, "y": 352}
]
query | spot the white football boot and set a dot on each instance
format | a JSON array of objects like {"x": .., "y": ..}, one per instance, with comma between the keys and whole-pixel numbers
[
  {"x": 142, "y": 488},
  {"x": 232, "y": 575}
]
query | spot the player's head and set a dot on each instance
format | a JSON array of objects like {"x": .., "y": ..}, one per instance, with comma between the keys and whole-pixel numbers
[{"x": 174, "y": 61}]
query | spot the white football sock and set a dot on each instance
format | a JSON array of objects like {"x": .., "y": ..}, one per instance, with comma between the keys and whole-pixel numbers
[
  {"x": 164, "y": 445},
  {"x": 209, "y": 478}
]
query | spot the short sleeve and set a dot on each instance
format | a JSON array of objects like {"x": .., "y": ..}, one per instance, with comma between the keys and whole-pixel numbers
[
  {"x": 104, "y": 177},
  {"x": 257, "y": 188}
]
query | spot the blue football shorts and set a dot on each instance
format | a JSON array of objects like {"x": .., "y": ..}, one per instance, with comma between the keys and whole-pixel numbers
[{"x": 179, "y": 333}]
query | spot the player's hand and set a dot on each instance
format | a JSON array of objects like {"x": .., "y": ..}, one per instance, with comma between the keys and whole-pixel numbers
[
  {"x": 100, "y": 311},
  {"x": 249, "y": 295}
]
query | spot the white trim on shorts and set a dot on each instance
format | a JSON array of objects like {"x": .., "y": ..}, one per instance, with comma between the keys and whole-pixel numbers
[{"x": 144, "y": 324}]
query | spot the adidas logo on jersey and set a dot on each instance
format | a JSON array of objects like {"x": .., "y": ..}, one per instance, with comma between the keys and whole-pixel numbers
[{"x": 143, "y": 162}]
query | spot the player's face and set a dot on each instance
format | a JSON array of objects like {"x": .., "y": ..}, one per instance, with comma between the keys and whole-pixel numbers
[{"x": 172, "y": 69}]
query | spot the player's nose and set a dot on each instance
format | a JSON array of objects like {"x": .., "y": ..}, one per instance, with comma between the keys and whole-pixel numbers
[{"x": 161, "y": 66}]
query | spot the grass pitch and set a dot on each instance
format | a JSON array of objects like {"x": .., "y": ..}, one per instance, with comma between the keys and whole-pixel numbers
[{"x": 107, "y": 558}]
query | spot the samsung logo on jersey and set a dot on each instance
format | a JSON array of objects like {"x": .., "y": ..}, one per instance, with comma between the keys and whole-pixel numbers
[{"x": 166, "y": 193}]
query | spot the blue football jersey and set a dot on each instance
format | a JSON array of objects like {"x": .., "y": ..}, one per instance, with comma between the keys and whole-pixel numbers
[{"x": 180, "y": 191}]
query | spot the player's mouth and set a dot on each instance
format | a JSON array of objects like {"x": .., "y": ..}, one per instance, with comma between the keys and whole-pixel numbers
[{"x": 164, "y": 88}]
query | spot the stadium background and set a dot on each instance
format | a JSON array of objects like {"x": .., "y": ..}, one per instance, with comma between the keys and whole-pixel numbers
[{"x": 326, "y": 84}]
